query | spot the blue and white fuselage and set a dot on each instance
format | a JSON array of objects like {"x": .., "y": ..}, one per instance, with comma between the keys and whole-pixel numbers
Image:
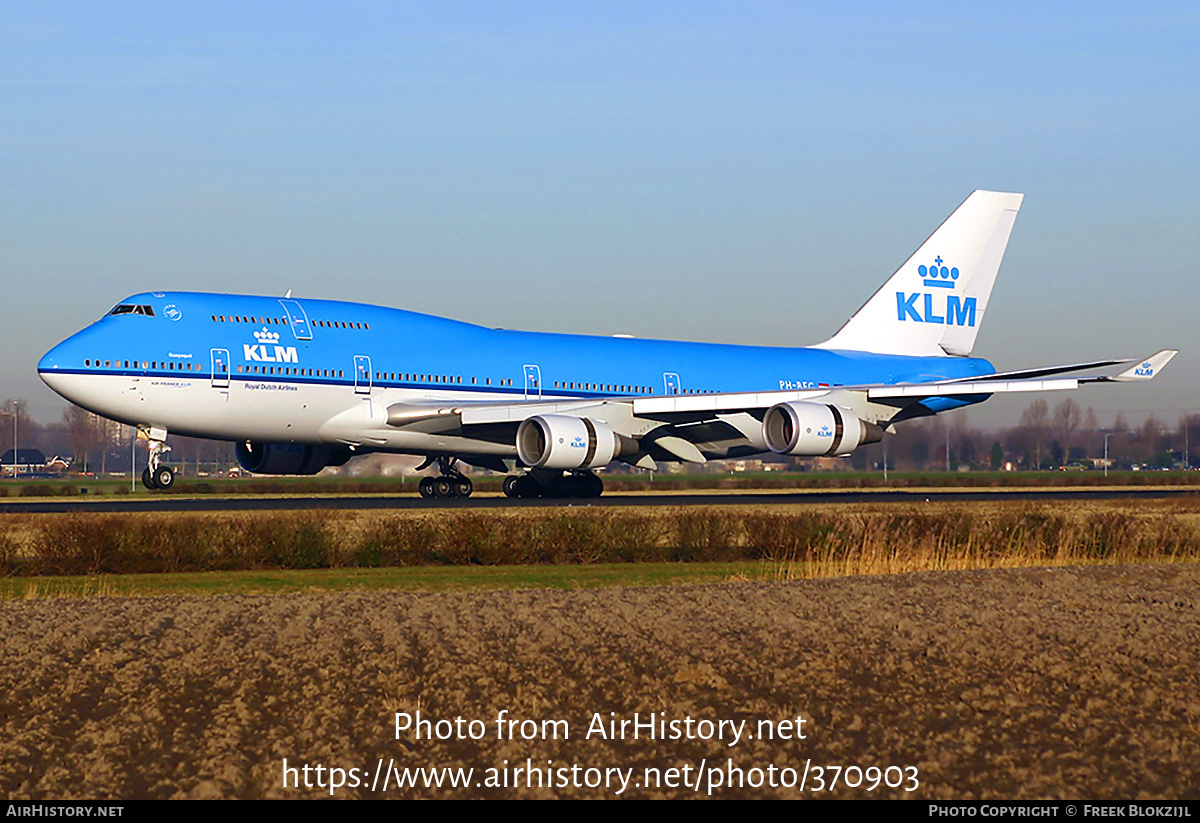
[
  {"x": 319, "y": 380},
  {"x": 231, "y": 366}
]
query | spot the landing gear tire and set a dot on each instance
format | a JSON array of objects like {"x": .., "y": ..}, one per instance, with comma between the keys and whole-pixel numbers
[
  {"x": 156, "y": 476},
  {"x": 567, "y": 486},
  {"x": 570, "y": 485},
  {"x": 164, "y": 477},
  {"x": 527, "y": 487},
  {"x": 444, "y": 486},
  {"x": 450, "y": 483}
]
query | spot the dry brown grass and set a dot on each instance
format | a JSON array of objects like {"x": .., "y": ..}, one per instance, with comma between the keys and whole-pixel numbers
[
  {"x": 92, "y": 587},
  {"x": 794, "y": 541}
]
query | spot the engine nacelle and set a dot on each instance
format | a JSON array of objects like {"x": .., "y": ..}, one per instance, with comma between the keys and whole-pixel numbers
[
  {"x": 815, "y": 429},
  {"x": 289, "y": 458},
  {"x": 560, "y": 441}
]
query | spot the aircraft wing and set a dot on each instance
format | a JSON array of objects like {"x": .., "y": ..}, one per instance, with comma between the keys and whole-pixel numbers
[
  {"x": 1028, "y": 380},
  {"x": 1044, "y": 371},
  {"x": 697, "y": 406}
]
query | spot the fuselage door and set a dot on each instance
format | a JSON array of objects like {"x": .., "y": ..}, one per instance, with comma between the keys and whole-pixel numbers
[
  {"x": 220, "y": 368},
  {"x": 362, "y": 374},
  {"x": 671, "y": 382},
  {"x": 533, "y": 382},
  {"x": 297, "y": 319}
]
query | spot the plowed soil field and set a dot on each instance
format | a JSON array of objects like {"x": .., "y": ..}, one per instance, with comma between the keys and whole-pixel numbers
[{"x": 1037, "y": 683}]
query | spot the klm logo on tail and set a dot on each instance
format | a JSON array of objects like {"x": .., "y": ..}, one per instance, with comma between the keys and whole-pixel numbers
[{"x": 923, "y": 307}]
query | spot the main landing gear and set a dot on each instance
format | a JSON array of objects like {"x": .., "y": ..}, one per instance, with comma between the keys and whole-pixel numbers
[
  {"x": 157, "y": 476},
  {"x": 545, "y": 483},
  {"x": 451, "y": 483}
]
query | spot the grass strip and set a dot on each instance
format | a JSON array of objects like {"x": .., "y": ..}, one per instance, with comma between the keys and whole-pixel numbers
[
  {"x": 190, "y": 486},
  {"x": 871, "y": 539},
  {"x": 421, "y": 578}
]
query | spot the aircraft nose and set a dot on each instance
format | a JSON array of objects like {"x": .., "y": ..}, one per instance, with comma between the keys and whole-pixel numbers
[
  {"x": 52, "y": 368},
  {"x": 70, "y": 355},
  {"x": 59, "y": 368},
  {"x": 50, "y": 360}
]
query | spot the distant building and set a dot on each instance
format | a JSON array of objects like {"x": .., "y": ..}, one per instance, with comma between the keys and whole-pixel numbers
[{"x": 25, "y": 461}]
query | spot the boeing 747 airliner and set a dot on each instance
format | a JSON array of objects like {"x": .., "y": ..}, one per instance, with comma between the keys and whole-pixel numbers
[{"x": 302, "y": 384}]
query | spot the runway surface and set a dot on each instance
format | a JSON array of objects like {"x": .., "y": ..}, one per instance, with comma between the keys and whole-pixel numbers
[{"x": 167, "y": 503}]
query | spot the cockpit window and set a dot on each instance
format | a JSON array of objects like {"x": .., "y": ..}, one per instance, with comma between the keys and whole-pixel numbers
[{"x": 126, "y": 308}]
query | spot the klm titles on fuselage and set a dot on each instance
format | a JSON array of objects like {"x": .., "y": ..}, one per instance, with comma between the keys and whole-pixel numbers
[
  {"x": 923, "y": 307},
  {"x": 262, "y": 352}
]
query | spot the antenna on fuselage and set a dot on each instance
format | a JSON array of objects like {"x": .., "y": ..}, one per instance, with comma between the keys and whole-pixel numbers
[{"x": 288, "y": 296}]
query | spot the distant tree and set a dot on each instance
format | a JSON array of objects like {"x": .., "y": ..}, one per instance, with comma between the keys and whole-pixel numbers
[
  {"x": 909, "y": 449},
  {"x": 82, "y": 433},
  {"x": 1120, "y": 449},
  {"x": 1066, "y": 421},
  {"x": 1058, "y": 455},
  {"x": 1034, "y": 419},
  {"x": 1189, "y": 426},
  {"x": 1090, "y": 425},
  {"x": 997, "y": 455},
  {"x": 963, "y": 439},
  {"x": 26, "y": 429},
  {"x": 1150, "y": 440}
]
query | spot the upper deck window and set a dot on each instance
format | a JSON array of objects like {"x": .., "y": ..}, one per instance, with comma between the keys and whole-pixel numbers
[{"x": 127, "y": 308}]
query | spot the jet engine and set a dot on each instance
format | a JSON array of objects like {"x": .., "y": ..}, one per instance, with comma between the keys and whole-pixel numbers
[
  {"x": 289, "y": 458},
  {"x": 560, "y": 441},
  {"x": 815, "y": 429}
]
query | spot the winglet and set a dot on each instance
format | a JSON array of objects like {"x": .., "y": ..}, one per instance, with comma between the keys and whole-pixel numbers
[{"x": 1149, "y": 368}]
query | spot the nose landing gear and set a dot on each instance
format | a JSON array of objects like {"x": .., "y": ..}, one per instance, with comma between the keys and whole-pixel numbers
[{"x": 156, "y": 476}]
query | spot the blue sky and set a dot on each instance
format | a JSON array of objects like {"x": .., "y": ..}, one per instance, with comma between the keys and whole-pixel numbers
[{"x": 737, "y": 172}]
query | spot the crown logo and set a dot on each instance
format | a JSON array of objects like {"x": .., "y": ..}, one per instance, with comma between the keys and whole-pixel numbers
[
  {"x": 266, "y": 336},
  {"x": 937, "y": 275}
]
